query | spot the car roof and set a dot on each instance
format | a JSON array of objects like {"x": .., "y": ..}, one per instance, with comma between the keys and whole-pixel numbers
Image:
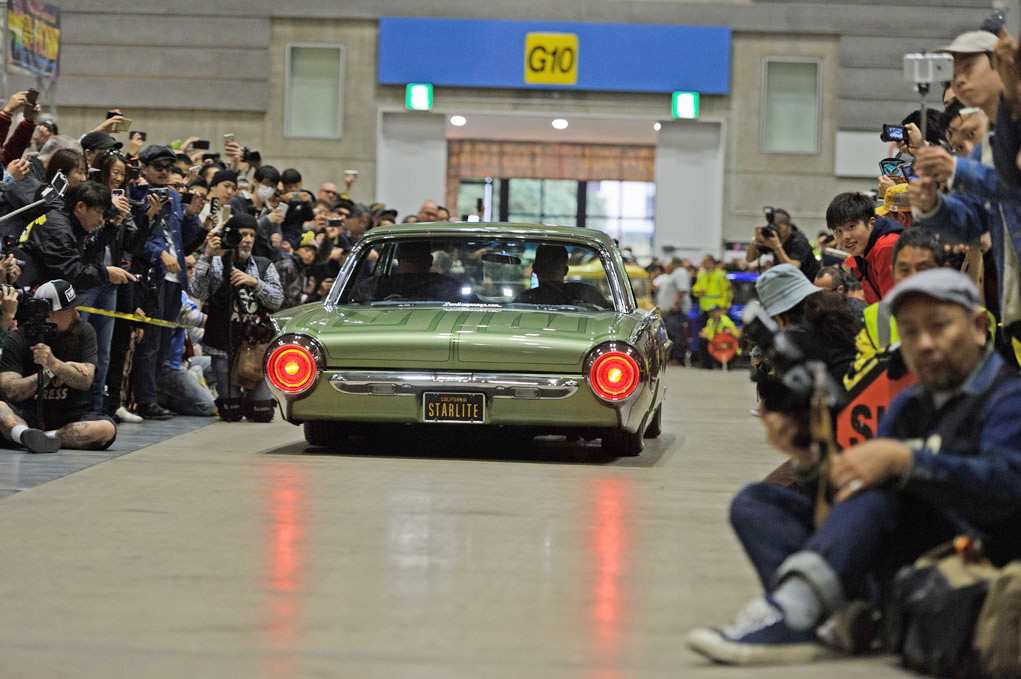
[{"x": 494, "y": 229}]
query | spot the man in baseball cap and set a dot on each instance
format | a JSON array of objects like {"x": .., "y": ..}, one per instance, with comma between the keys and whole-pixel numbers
[
  {"x": 51, "y": 340},
  {"x": 951, "y": 445}
]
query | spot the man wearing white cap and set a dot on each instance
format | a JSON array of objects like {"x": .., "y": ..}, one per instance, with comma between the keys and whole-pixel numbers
[
  {"x": 948, "y": 451},
  {"x": 67, "y": 359}
]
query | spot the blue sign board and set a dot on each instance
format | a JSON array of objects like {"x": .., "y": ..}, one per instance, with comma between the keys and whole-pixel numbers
[{"x": 609, "y": 57}]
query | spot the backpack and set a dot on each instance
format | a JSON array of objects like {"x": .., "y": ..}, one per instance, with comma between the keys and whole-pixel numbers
[{"x": 998, "y": 630}]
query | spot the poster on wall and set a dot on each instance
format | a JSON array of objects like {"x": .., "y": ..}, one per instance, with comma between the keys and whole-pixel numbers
[{"x": 34, "y": 30}]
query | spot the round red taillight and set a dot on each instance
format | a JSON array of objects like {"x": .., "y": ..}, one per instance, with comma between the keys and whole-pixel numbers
[
  {"x": 291, "y": 368},
  {"x": 614, "y": 376}
]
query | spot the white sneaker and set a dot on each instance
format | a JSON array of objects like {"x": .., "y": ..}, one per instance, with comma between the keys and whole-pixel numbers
[{"x": 126, "y": 415}]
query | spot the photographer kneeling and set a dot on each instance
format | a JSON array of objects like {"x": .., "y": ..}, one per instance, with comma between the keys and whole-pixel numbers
[
  {"x": 67, "y": 360},
  {"x": 247, "y": 298}
]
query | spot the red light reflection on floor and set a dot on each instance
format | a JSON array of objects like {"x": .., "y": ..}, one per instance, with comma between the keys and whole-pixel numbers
[
  {"x": 285, "y": 562},
  {"x": 610, "y": 506}
]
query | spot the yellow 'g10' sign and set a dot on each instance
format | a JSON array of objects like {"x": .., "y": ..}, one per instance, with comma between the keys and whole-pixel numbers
[{"x": 551, "y": 58}]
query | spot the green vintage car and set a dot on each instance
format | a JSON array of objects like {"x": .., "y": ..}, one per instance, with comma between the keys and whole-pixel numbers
[{"x": 474, "y": 324}]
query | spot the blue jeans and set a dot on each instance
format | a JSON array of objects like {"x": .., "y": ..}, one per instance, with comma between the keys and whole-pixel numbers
[
  {"x": 151, "y": 355},
  {"x": 178, "y": 391},
  {"x": 102, "y": 297},
  {"x": 221, "y": 370},
  {"x": 873, "y": 532}
]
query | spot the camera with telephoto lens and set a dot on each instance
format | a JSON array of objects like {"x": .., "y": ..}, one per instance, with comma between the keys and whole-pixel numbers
[
  {"x": 784, "y": 376},
  {"x": 769, "y": 230},
  {"x": 230, "y": 237},
  {"x": 31, "y": 317}
]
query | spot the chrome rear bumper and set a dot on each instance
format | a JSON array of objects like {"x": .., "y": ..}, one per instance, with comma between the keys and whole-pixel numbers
[{"x": 412, "y": 383}]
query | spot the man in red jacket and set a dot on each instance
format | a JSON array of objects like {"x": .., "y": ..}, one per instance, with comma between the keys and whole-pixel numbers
[{"x": 869, "y": 240}]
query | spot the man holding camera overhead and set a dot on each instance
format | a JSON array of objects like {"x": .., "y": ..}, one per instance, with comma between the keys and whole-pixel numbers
[
  {"x": 238, "y": 308},
  {"x": 170, "y": 227},
  {"x": 782, "y": 238},
  {"x": 66, "y": 354}
]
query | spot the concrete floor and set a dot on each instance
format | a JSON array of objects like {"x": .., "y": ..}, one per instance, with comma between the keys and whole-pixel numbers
[{"x": 230, "y": 551}]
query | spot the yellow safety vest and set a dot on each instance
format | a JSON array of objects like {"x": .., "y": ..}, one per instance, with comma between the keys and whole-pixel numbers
[
  {"x": 715, "y": 289},
  {"x": 880, "y": 332}
]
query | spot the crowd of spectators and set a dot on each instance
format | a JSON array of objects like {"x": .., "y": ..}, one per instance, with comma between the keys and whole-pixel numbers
[
  {"x": 169, "y": 259},
  {"x": 918, "y": 284}
]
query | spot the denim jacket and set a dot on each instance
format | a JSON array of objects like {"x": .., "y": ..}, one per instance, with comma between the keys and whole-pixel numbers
[
  {"x": 979, "y": 203},
  {"x": 183, "y": 227},
  {"x": 967, "y": 454}
]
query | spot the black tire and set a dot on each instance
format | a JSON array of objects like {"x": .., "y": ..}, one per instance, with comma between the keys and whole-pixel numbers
[
  {"x": 655, "y": 427},
  {"x": 621, "y": 443},
  {"x": 322, "y": 433}
]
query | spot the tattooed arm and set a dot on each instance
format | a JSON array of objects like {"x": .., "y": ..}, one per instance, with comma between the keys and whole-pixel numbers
[
  {"x": 15, "y": 388},
  {"x": 75, "y": 375}
]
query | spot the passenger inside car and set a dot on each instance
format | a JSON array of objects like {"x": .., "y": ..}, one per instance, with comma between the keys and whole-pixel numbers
[{"x": 550, "y": 268}]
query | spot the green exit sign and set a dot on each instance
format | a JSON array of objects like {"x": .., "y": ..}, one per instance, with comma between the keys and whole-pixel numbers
[
  {"x": 419, "y": 97},
  {"x": 685, "y": 105}
]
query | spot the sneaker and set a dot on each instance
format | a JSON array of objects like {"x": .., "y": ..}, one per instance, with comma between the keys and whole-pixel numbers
[
  {"x": 758, "y": 636},
  {"x": 37, "y": 441},
  {"x": 125, "y": 415}
]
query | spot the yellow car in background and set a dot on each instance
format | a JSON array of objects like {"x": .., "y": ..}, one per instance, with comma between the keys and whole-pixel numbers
[{"x": 592, "y": 272}]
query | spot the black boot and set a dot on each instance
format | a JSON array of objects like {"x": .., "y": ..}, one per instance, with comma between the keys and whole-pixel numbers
[
  {"x": 260, "y": 411},
  {"x": 230, "y": 409}
]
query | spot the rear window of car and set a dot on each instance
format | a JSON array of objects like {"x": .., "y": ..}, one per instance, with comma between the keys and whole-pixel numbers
[{"x": 505, "y": 272}]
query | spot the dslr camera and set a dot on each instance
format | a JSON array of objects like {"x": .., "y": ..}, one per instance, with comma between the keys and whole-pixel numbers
[
  {"x": 785, "y": 378},
  {"x": 769, "y": 230},
  {"x": 31, "y": 317}
]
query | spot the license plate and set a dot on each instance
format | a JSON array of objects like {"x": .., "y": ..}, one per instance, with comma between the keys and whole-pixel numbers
[{"x": 452, "y": 407}]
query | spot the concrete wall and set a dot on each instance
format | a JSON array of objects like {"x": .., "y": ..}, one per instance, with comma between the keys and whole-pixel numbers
[{"x": 196, "y": 67}]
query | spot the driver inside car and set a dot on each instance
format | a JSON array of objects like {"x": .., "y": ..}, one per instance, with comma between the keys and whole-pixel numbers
[
  {"x": 415, "y": 281},
  {"x": 550, "y": 268}
]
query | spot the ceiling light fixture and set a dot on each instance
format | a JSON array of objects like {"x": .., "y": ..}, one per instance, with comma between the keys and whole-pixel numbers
[
  {"x": 560, "y": 124},
  {"x": 458, "y": 121}
]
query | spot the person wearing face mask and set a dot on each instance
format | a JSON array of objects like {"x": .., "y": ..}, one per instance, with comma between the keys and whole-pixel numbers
[{"x": 236, "y": 314}]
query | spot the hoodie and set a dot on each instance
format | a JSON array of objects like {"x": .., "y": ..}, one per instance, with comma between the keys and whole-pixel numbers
[{"x": 875, "y": 268}]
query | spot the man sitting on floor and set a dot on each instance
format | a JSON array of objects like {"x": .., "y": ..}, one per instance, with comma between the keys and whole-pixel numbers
[
  {"x": 948, "y": 450},
  {"x": 68, "y": 363}
]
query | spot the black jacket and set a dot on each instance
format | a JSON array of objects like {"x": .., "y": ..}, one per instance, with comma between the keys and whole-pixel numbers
[{"x": 54, "y": 247}]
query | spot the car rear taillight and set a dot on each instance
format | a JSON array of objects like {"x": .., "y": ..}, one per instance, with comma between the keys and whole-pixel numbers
[
  {"x": 614, "y": 375},
  {"x": 291, "y": 368}
]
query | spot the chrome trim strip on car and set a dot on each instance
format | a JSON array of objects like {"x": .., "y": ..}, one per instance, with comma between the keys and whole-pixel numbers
[{"x": 412, "y": 383}]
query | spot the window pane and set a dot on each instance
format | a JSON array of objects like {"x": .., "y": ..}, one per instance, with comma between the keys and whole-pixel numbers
[
  {"x": 790, "y": 107},
  {"x": 469, "y": 191},
  {"x": 314, "y": 90},
  {"x": 547, "y": 201}
]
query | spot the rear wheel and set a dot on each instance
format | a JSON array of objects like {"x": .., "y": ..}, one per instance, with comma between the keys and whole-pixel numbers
[
  {"x": 655, "y": 427},
  {"x": 621, "y": 443},
  {"x": 322, "y": 433}
]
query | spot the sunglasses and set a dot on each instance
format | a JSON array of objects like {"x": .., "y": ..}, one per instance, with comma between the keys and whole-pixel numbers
[{"x": 162, "y": 167}]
